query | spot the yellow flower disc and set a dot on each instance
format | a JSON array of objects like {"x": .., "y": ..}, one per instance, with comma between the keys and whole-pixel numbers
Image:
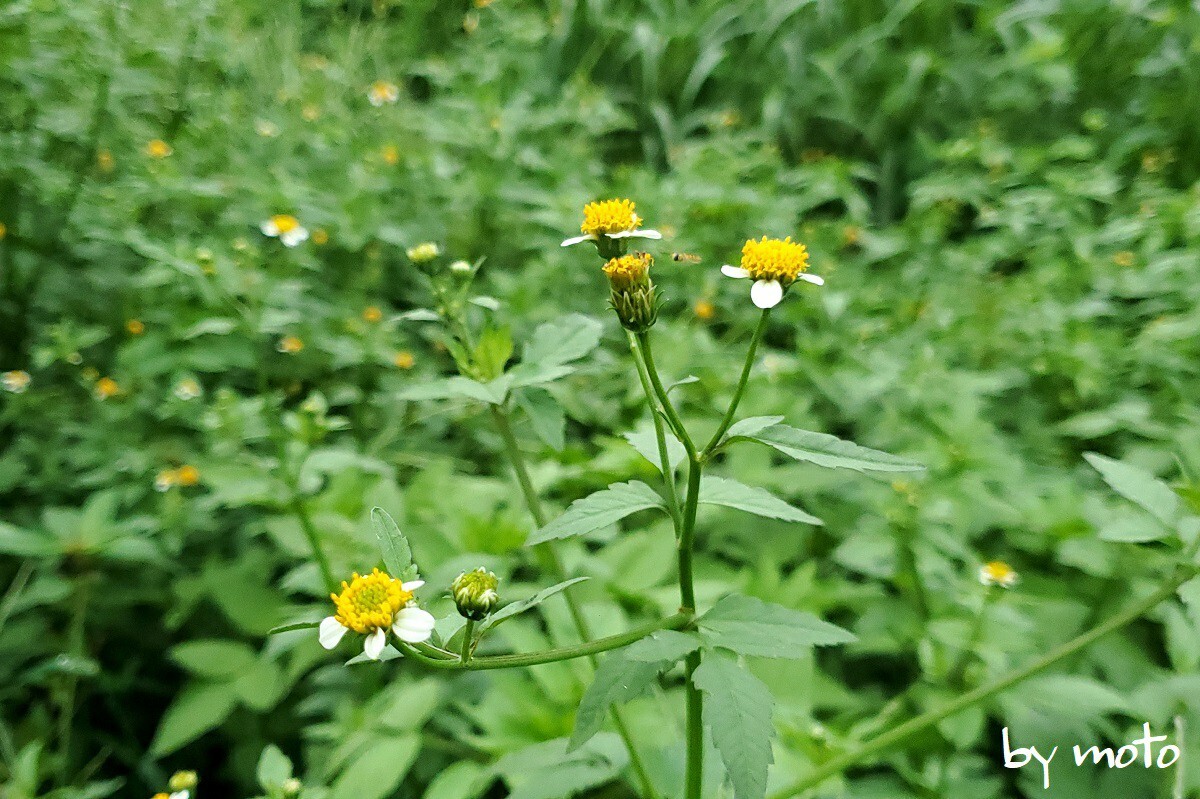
[
  {"x": 775, "y": 259},
  {"x": 370, "y": 602},
  {"x": 609, "y": 216}
]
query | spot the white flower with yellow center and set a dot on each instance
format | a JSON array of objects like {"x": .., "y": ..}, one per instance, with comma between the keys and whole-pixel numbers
[
  {"x": 16, "y": 381},
  {"x": 383, "y": 92},
  {"x": 188, "y": 389},
  {"x": 371, "y": 605},
  {"x": 774, "y": 265},
  {"x": 286, "y": 228},
  {"x": 997, "y": 573},
  {"x": 613, "y": 219}
]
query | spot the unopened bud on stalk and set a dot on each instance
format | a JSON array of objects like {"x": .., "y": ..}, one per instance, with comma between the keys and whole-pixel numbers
[
  {"x": 633, "y": 295},
  {"x": 291, "y": 787},
  {"x": 475, "y": 593},
  {"x": 424, "y": 253}
]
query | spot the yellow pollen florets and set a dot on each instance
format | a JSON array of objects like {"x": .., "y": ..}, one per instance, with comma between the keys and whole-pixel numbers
[
  {"x": 629, "y": 271},
  {"x": 157, "y": 148},
  {"x": 997, "y": 573},
  {"x": 289, "y": 345},
  {"x": 106, "y": 387},
  {"x": 609, "y": 216},
  {"x": 774, "y": 259},
  {"x": 370, "y": 602},
  {"x": 285, "y": 223}
]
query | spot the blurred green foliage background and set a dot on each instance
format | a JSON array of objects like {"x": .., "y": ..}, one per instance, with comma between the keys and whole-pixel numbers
[{"x": 1004, "y": 200}]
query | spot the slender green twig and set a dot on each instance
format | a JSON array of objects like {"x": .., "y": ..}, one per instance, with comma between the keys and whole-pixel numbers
[
  {"x": 668, "y": 471},
  {"x": 741, "y": 386},
  {"x": 468, "y": 634},
  {"x": 551, "y": 562},
  {"x": 586, "y": 649},
  {"x": 930, "y": 718},
  {"x": 664, "y": 399}
]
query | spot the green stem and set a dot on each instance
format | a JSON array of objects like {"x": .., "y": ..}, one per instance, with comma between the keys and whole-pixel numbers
[
  {"x": 955, "y": 674},
  {"x": 468, "y": 634},
  {"x": 664, "y": 399},
  {"x": 677, "y": 622},
  {"x": 314, "y": 540},
  {"x": 741, "y": 386},
  {"x": 668, "y": 472},
  {"x": 693, "y": 700},
  {"x": 550, "y": 561},
  {"x": 928, "y": 719}
]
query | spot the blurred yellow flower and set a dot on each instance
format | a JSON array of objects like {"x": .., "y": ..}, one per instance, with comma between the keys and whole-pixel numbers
[
  {"x": 183, "y": 780},
  {"x": 383, "y": 92},
  {"x": 851, "y": 235},
  {"x": 164, "y": 480},
  {"x": 391, "y": 154},
  {"x": 704, "y": 310},
  {"x": 187, "y": 475},
  {"x": 1123, "y": 259},
  {"x": 266, "y": 128},
  {"x": 188, "y": 389},
  {"x": 998, "y": 573},
  {"x": 135, "y": 327},
  {"x": 16, "y": 381},
  {"x": 483, "y": 3},
  {"x": 289, "y": 345},
  {"x": 286, "y": 228},
  {"x": 424, "y": 252},
  {"x": 470, "y": 22},
  {"x": 157, "y": 148},
  {"x": 104, "y": 160},
  {"x": 106, "y": 387},
  {"x": 3, "y": 230},
  {"x": 372, "y": 314},
  {"x": 404, "y": 359},
  {"x": 311, "y": 113},
  {"x": 320, "y": 236}
]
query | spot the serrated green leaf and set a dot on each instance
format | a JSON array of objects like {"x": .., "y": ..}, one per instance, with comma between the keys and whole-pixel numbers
[
  {"x": 645, "y": 441},
  {"x": 458, "y": 387},
  {"x": 822, "y": 449},
  {"x": 732, "y": 494},
  {"x": 563, "y": 340},
  {"x": 600, "y": 509},
  {"x": 397, "y": 554},
  {"x": 198, "y": 709},
  {"x": 1139, "y": 487},
  {"x": 617, "y": 680},
  {"x": 522, "y": 605},
  {"x": 664, "y": 646},
  {"x": 545, "y": 416},
  {"x": 737, "y": 711},
  {"x": 750, "y": 626}
]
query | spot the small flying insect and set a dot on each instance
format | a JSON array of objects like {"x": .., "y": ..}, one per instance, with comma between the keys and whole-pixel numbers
[{"x": 685, "y": 257}]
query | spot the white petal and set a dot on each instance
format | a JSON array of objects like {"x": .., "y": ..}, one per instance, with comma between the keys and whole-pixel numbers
[
  {"x": 294, "y": 237},
  {"x": 413, "y": 625},
  {"x": 412, "y": 585},
  {"x": 635, "y": 234},
  {"x": 269, "y": 228},
  {"x": 373, "y": 646},
  {"x": 766, "y": 293},
  {"x": 577, "y": 239},
  {"x": 814, "y": 279},
  {"x": 734, "y": 271},
  {"x": 179, "y": 795},
  {"x": 330, "y": 632}
]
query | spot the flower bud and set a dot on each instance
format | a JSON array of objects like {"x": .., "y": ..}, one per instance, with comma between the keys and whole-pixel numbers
[
  {"x": 424, "y": 253},
  {"x": 183, "y": 781},
  {"x": 291, "y": 787},
  {"x": 633, "y": 296},
  {"x": 475, "y": 593}
]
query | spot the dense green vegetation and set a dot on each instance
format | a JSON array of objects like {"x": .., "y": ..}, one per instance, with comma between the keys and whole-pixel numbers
[{"x": 1003, "y": 200}]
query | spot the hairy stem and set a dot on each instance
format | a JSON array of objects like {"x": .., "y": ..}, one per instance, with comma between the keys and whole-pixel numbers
[
  {"x": 587, "y": 649},
  {"x": 468, "y": 634},
  {"x": 668, "y": 472}
]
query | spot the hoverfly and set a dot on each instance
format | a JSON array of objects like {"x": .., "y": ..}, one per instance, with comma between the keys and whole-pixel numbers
[{"x": 685, "y": 257}]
